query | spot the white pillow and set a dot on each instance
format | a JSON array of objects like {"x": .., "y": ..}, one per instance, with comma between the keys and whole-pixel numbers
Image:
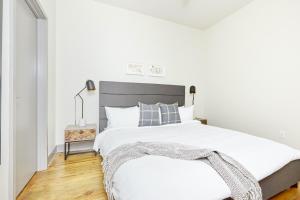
[
  {"x": 186, "y": 113},
  {"x": 122, "y": 117}
]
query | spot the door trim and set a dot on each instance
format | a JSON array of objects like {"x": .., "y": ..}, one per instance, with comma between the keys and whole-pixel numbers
[
  {"x": 36, "y": 8},
  {"x": 42, "y": 83},
  {"x": 8, "y": 140},
  {"x": 42, "y": 89},
  {"x": 42, "y": 95},
  {"x": 8, "y": 101}
]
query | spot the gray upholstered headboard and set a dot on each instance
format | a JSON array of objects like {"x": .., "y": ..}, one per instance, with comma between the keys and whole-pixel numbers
[{"x": 121, "y": 94}]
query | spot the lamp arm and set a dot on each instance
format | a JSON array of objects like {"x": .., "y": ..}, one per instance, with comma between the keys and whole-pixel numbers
[
  {"x": 193, "y": 98},
  {"x": 75, "y": 106},
  {"x": 82, "y": 101},
  {"x": 78, "y": 94}
]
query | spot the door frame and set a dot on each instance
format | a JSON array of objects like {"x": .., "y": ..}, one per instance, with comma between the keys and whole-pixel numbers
[
  {"x": 8, "y": 137},
  {"x": 42, "y": 89},
  {"x": 42, "y": 83},
  {"x": 7, "y": 104}
]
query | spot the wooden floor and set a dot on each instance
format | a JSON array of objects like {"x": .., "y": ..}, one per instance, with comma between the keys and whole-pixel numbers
[{"x": 81, "y": 178}]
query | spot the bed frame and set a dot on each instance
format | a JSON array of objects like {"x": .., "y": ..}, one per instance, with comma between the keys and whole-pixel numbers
[{"x": 121, "y": 94}]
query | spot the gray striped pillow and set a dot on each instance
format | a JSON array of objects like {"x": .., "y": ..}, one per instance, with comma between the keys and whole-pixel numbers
[
  {"x": 149, "y": 115},
  {"x": 169, "y": 114}
]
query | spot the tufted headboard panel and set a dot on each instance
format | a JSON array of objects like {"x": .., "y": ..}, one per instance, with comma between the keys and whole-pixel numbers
[{"x": 122, "y": 94}]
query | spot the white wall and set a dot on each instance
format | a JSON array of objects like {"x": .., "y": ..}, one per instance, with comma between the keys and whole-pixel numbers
[
  {"x": 96, "y": 41},
  {"x": 253, "y": 67},
  {"x": 245, "y": 67},
  {"x": 50, "y": 8}
]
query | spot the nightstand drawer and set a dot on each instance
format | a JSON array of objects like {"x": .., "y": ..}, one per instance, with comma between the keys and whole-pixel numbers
[
  {"x": 82, "y": 135},
  {"x": 75, "y": 133}
]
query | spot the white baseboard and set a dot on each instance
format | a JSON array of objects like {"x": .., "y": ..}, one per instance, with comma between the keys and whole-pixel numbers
[
  {"x": 84, "y": 146},
  {"x": 51, "y": 155}
]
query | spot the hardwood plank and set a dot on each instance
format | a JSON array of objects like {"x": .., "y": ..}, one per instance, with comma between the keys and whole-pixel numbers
[
  {"x": 290, "y": 194},
  {"x": 81, "y": 178},
  {"x": 77, "y": 178}
]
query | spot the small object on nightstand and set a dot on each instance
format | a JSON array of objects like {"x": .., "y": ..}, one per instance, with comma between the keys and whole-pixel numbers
[
  {"x": 203, "y": 121},
  {"x": 75, "y": 134}
]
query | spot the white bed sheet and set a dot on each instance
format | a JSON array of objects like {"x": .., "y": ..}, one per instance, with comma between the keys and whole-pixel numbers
[{"x": 161, "y": 178}]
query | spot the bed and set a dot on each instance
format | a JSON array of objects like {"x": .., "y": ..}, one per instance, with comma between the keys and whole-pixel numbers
[{"x": 276, "y": 166}]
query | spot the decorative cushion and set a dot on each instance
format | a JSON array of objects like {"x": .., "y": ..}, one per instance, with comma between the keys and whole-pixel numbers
[
  {"x": 122, "y": 117},
  {"x": 149, "y": 115},
  {"x": 186, "y": 113},
  {"x": 169, "y": 113}
]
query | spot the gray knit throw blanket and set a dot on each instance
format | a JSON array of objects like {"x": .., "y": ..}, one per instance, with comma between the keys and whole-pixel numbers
[{"x": 242, "y": 184}]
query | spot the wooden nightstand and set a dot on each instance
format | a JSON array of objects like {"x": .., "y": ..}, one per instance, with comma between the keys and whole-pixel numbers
[
  {"x": 74, "y": 134},
  {"x": 203, "y": 121}
]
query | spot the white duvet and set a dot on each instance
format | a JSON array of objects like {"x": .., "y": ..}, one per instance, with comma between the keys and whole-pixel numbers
[{"x": 161, "y": 178}]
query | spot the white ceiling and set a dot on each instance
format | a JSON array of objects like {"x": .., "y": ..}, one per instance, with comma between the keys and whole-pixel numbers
[{"x": 196, "y": 13}]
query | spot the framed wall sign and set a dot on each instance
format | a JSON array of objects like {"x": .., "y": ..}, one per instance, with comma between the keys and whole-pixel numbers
[
  {"x": 135, "y": 69},
  {"x": 156, "y": 70}
]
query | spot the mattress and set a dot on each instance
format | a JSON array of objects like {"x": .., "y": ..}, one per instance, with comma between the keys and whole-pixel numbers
[{"x": 162, "y": 178}]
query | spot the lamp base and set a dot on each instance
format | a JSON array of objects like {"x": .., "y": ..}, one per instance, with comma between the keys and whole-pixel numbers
[{"x": 82, "y": 122}]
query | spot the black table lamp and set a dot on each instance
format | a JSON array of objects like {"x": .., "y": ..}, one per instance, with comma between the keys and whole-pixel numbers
[
  {"x": 193, "y": 91},
  {"x": 90, "y": 86}
]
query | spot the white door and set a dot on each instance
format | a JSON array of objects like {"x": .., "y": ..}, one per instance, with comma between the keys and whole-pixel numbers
[{"x": 26, "y": 94}]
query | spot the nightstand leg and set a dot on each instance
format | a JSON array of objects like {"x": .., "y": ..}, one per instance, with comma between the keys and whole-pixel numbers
[
  {"x": 65, "y": 150},
  {"x": 69, "y": 148}
]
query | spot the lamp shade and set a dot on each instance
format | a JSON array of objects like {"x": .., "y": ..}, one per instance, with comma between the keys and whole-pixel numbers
[
  {"x": 192, "y": 89},
  {"x": 90, "y": 85}
]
